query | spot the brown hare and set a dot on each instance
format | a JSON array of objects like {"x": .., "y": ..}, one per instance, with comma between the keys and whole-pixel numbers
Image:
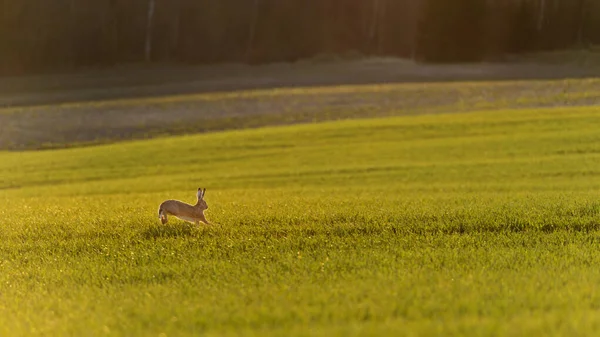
[{"x": 183, "y": 211}]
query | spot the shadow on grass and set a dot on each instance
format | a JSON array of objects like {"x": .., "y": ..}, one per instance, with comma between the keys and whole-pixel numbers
[{"x": 176, "y": 230}]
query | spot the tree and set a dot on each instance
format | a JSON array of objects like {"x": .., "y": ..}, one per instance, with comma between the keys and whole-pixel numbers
[
  {"x": 150, "y": 20},
  {"x": 252, "y": 29}
]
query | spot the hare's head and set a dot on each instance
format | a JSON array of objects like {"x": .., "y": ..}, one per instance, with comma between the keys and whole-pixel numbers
[{"x": 201, "y": 200}]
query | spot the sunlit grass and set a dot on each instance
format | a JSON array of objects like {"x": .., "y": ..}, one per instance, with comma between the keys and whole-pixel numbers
[{"x": 482, "y": 223}]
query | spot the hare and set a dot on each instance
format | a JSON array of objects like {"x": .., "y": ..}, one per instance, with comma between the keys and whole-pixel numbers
[{"x": 183, "y": 211}]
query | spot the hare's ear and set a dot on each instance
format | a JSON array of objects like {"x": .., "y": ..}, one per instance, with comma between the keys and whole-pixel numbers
[
  {"x": 200, "y": 194},
  {"x": 203, "y": 192}
]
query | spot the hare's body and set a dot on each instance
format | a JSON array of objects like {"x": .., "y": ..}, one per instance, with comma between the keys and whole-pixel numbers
[{"x": 184, "y": 211}]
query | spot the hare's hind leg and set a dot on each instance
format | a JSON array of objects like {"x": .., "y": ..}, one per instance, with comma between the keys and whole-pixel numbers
[{"x": 162, "y": 216}]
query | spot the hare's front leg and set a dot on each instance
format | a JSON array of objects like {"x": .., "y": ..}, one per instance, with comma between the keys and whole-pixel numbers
[{"x": 203, "y": 219}]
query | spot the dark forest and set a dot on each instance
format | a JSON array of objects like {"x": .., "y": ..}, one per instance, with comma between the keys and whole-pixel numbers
[{"x": 42, "y": 35}]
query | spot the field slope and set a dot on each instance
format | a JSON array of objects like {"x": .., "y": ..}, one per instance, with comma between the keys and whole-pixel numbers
[
  {"x": 480, "y": 223},
  {"x": 106, "y": 121}
]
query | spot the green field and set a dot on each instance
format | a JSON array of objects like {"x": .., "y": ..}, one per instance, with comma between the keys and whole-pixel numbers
[{"x": 480, "y": 223}]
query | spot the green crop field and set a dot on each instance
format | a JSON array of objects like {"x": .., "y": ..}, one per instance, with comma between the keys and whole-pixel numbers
[{"x": 478, "y": 223}]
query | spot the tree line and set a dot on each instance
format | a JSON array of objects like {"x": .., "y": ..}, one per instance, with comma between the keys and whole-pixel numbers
[{"x": 42, "y": 35}]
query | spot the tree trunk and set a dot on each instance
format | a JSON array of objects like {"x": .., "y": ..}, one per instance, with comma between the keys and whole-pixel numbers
[
  {"x": 417, "y": 30},
  {"x": 373, "y": 25},
  {"x": 252, "y": 29},
  {"x": 541, "y": 15},
  {"x": 150, "y": 17},
  {"x": 381, "y": 25},
  {"x": 583, "y": 10},
  {"x": 174, "y": 47}
]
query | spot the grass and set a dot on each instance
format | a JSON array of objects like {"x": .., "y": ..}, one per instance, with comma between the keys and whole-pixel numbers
[{"x": 480, "y": 223}]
